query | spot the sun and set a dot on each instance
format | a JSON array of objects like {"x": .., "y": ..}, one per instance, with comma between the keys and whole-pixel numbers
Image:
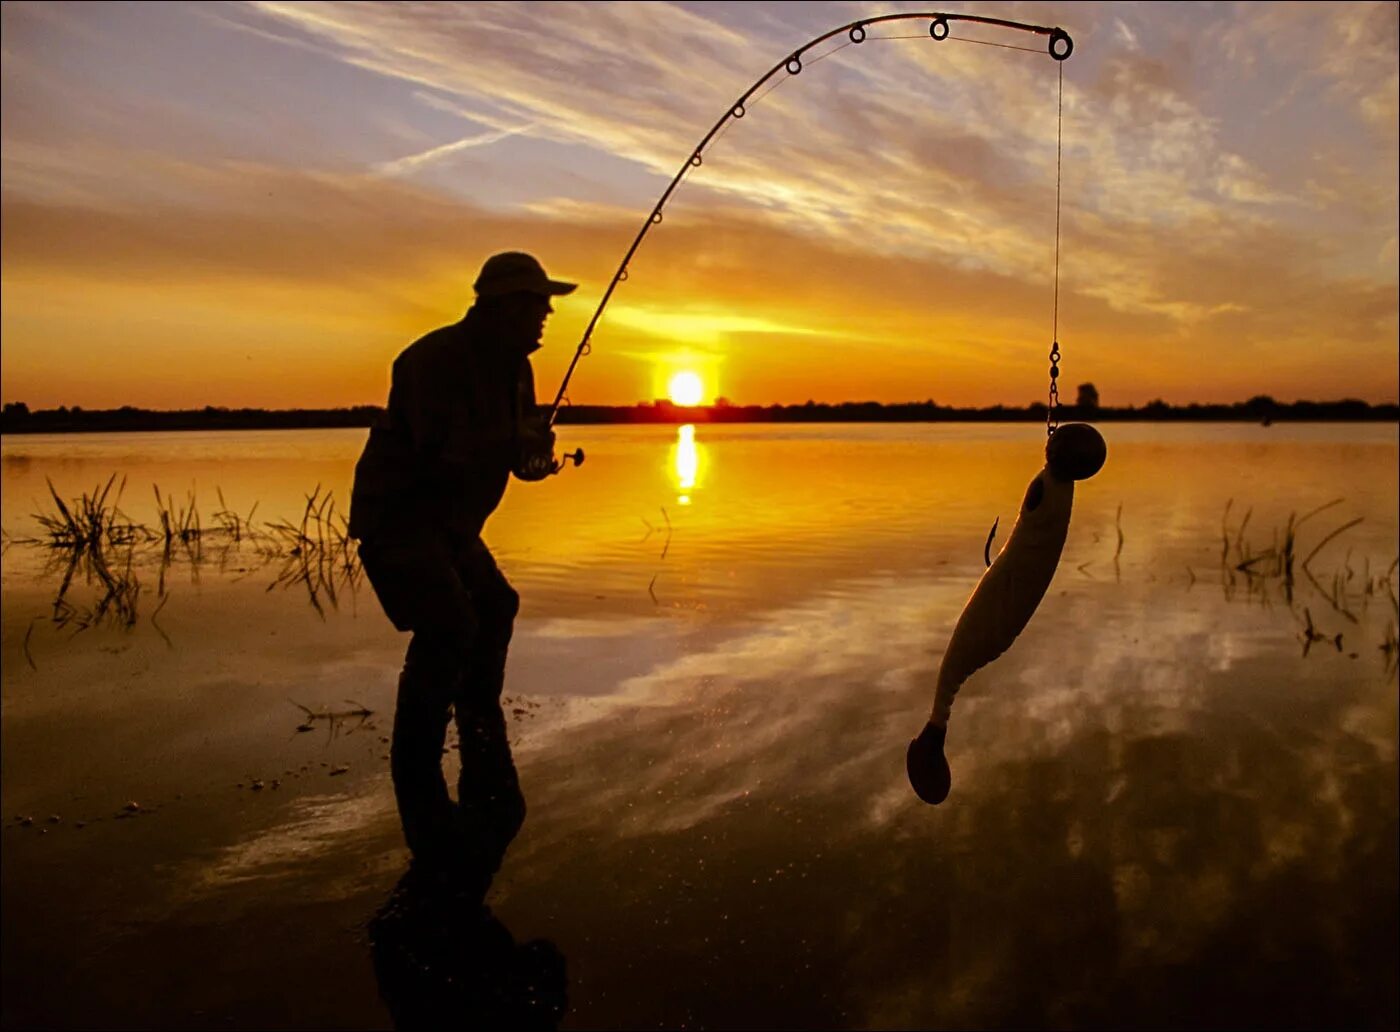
[{"x": 686, "y": 389}]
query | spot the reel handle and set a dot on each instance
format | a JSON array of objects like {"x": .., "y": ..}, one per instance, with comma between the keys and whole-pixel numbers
[{"x": 539, "y": 467}]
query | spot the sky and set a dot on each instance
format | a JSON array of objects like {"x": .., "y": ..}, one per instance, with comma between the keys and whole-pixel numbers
[{"x": 261, "y": 204}]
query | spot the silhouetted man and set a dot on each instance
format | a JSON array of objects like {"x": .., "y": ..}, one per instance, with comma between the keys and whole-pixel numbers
[{"x": 461, "y": 419}]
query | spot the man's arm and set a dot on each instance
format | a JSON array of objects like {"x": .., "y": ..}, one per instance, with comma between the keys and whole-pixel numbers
[{"x": 534, "y": 458}]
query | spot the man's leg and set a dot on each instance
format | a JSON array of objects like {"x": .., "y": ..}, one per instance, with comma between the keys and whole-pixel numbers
[
  {"x": 488, "y": 789},
  {"x": 431, "y": 673},
  {"x": 421, "y": 590}
]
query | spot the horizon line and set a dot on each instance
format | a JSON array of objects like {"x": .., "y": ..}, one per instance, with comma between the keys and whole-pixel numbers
[{"x": 1258, "y": 400}]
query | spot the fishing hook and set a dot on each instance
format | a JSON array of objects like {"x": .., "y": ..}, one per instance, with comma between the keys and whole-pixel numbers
[{"x": 1060, "y": 47}]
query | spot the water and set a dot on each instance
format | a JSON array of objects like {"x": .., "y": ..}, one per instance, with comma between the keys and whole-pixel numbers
[{"x": 1164, "y": 811}]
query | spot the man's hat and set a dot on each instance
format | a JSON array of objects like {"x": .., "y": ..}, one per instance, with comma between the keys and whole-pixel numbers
[{"x": 514, "y": 272}]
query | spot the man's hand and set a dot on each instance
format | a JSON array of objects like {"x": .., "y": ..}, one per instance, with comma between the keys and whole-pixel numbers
[{"x": 535, "y": 459}]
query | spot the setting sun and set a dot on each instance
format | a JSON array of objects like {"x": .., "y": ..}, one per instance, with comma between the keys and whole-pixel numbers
[{"x": 686, "y": 389}]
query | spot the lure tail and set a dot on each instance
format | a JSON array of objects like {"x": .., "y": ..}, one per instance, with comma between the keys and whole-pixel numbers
[{"x": 928, "y": 765}]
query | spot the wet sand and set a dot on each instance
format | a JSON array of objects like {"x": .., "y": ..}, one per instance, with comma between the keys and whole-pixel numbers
[{"x": 1163, "y": 814}]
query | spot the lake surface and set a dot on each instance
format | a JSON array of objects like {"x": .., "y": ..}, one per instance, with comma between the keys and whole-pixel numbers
[{"x": 1172, "y": 805}]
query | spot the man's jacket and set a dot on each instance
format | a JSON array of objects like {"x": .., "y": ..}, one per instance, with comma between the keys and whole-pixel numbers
[{"x": 438, "y": 459}]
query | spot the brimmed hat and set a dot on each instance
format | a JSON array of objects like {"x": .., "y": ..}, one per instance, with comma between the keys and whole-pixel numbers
[{"x": 514, "y": 272}]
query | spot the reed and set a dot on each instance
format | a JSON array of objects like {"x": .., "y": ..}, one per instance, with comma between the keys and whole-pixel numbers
[
  {"x": 1287, "y": 561},
  {"x": 317, "y": 552},
  {"x": 335, "y": 719},
  {"x": 1312, "y": 634},
  {"x": 92, "y": 536},
  {"x": 179, "y": 524},
  {"x": 92, "y": 522},
  {"x": 667, "y": 546},
  {"x": 230, "y": 523},
  {"x": 92, "y": 541}
]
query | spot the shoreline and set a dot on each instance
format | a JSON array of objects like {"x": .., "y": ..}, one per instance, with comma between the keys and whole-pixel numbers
[{"x": 59, "y": 421}]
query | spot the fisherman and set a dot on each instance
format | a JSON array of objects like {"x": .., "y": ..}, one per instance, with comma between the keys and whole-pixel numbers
[{"x": 461, "y": 420}]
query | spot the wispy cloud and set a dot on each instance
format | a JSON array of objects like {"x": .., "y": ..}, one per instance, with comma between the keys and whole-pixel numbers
[
  {"x": 413, "y": 162},
  {"x": 703, "y": 327},
  {"x": 1126, "y": 33}
]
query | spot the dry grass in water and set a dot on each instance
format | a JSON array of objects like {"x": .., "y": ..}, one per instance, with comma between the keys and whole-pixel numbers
[
  {"x": 1277, "y": 569},
  {"x": 92, "y": 541},
  {"x": 317, "y": 553},
  {"x": 335, "y": 718},
  {"x": 94, "y": 538}
]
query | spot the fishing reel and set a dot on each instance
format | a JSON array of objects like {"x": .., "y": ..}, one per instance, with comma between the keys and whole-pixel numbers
[{"x": 538, "y": 466}]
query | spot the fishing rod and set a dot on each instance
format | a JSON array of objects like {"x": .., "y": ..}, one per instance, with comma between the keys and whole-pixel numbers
[{"x": 1060, "y": 46}]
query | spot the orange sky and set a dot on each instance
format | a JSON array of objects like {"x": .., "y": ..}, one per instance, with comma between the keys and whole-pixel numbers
[{"x": 261, "y": 204}]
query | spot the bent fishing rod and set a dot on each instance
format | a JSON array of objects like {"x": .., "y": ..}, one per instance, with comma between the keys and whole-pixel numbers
[{"x": 1060, "y": 46}]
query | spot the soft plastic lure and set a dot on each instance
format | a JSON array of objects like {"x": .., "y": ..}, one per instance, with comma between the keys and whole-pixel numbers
[{"x": 1007, "y": 595}]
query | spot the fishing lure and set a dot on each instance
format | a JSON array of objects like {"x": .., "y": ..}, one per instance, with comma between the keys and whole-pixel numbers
[
  {"x": 1015, "y": 583},
  {"x": 1008, "y": 594}
]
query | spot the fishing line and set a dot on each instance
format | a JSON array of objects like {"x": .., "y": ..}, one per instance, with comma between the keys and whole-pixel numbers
[
  {"x": 833, "y": 50},
  {"x": 989, "y": 43},
  {"x": 964, "y": 39},
  {"x": 778, "y": 82},
  {"x": 1060, "y": 47},
  {"x": 1052, "y": 409}
]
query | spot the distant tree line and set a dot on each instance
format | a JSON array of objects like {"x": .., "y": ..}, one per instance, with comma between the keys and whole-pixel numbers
[
  {"x": 17, "y": 418},
  {"x": 1259, "y": 409}
]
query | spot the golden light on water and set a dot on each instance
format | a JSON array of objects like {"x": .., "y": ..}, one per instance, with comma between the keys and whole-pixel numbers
[
  {"x": 686, "y": 388},
  {"x": 686, "y": 462}
]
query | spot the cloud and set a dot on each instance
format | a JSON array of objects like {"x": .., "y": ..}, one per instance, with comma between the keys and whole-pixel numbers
[
  {"x": 644, "y": 83},
  {"x": 855, "y": 153},
  {"x": 702, "y": 327},
  {"x": 1128, "y": 36},
  {"x": 1238, "y": 181},
  {"x": 1347, "y": 50},
  {"x": 413, "y": 162},
  {"x": 373, "y": 258},
  {"x": 902, "y": 191},
  {"x": 597, "y": 75}
]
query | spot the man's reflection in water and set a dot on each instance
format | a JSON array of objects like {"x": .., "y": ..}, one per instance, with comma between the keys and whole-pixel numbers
[{"x": 442, "y": 958}]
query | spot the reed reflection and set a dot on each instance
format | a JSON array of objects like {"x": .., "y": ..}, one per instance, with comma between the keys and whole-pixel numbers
[
  {"x": 686, "y": 459},
  {"x": 90, "y": 541}
]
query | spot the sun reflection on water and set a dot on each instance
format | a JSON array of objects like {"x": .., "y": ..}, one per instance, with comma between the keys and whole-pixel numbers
[{"x": 685, "y": 463}]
